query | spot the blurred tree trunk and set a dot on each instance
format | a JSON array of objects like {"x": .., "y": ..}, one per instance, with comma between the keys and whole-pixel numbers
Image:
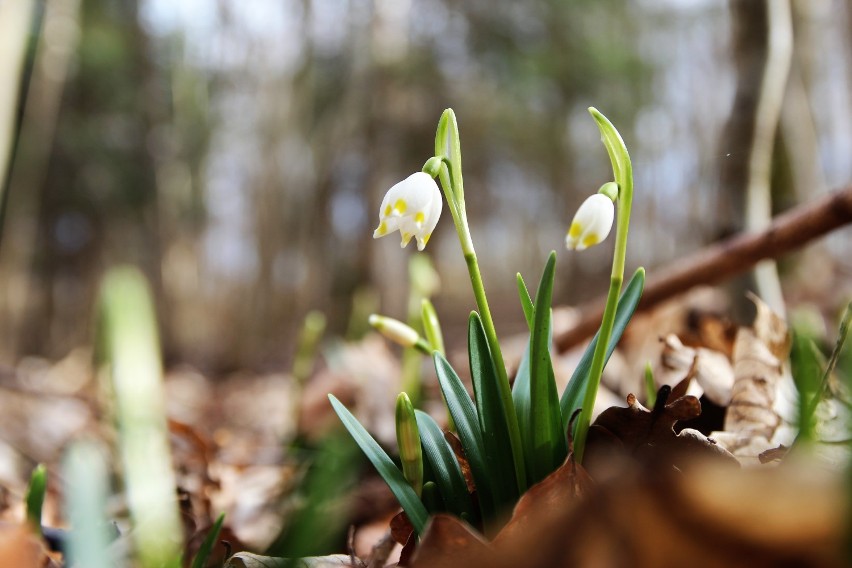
[
  {"x": 97, "y": 202},
  {"x": 749, "y": 41},
  {"x": 15, "y": 25},
  {"x": 762, "y": 44},
  {"x": 798, "y": 127},
  {"x": 28, "y": 174}
]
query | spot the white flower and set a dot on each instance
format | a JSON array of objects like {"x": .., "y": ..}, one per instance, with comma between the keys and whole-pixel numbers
[
  {"x": 592, "y": 222},
  {"x": 413, "y": 207}
]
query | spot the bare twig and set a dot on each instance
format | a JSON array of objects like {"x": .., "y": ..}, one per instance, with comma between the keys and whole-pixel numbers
[{"x": 722, "y": 260}]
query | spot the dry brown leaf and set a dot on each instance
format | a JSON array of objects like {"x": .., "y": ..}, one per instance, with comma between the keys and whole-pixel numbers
[
  {"x": 752, "y": 419},
  {"x": 456, "y": 445},
  {"x": 20, "y": 548},
  {"x": 553, "y": 496},
  {"x": 401, "y": 528},
  {"x": 712, "y": 372},
  {"x": 715, "y": 517},
  {"x": 449, "y": 542},
  {"x": 249, "y": 560},
  {"x": 621, "y": 436}
]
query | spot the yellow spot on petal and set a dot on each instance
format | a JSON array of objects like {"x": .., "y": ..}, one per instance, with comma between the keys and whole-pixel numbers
[
  {"x": 419, "y": 218},
  {"x": 590, "y": 240},
  {"x": 383, "y": 228},
  {"x": 400, "y": 206},
  {"x": 406, "y": 237},
  {"x": 575, "y": 230},
  {"x": 388, "y": 210},
  {"x": 426, "y": 239}
]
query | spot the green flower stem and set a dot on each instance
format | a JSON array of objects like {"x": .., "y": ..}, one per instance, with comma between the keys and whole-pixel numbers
[
  {"x": 623, "y": 172},
  {"x": 453, "y": 186}
]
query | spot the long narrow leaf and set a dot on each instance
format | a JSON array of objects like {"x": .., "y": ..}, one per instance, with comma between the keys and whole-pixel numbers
[
  {"x": 492, "y": 420},
  {"x": 545, "y": 414},
  {"x": 200, "y": 560},
  {"x": 444, "y": 466},
  {"x": 384, "y": 465},
  {"x": 572, "y": 397},
  {"x": 526, "y": 300},
  {"x": 467, "y": 425},
  {"x": 521, "y": 399}
]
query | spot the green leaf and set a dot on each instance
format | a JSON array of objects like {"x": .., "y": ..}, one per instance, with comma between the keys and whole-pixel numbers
[
  {"x": 521, "y": 399},
  {"x": 615, "y": 147},
  {"x": 390, "y": 473},
  {"x": 546, "y": 432},
  {"x": 492, "y": 419},
  {"x": 431, "y": 325},
  {"x": 467, "y": 425},
  {"x": 526, "y": 300},
  {"x": 572, "y": 397},
  {"x": 35, "y": 496},
  {"x": 200, "y": 559},
  {"x": 448, "y": 143},
  {"x": 444, "y": 466}
]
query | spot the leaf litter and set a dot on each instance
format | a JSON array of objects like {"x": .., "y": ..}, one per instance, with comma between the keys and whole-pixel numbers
[{"x": 663, "y": 496}]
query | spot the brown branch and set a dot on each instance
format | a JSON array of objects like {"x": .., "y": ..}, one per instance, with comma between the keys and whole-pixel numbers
[{"x": 789, "y": 231}]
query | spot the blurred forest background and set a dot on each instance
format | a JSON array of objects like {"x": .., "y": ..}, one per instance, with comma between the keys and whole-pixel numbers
[{"x": 237, "y": 151}]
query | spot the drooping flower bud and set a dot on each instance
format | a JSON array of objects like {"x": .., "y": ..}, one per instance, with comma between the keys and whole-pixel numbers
[{"x": 592, "y": 223}]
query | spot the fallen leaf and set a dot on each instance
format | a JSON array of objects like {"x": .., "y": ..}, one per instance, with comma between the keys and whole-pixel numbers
[
  {"x": 20, "y": 548},
  {"x": 556, "y": 494},
  {"x": 401, "y": 528},
  {"x": 456, "y": 446},
  {"x": 249, "y": 560},
  {"x": 449, "y": 542},
  {"x": 711, "y": 370},
  {"x": 621, "y": 436},
  {"x": 754, "y": 413}
]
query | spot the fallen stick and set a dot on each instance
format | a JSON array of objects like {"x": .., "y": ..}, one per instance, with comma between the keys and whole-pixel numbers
[{"x": 789, "y": 231}]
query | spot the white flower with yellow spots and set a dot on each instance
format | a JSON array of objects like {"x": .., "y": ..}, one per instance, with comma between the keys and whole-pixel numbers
[
  {"x": 592, "y": 222},
  {"x": 413, "y": 207}
]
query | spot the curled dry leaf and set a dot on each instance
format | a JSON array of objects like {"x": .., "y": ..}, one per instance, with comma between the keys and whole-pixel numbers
[
  {"x": 754, "y": 415},
  {"x": 249, "y": 560},
  {"x": 711, "y": 370},
  {"x": 450, "y": 542},
  {"x": 621, "y": 436}
]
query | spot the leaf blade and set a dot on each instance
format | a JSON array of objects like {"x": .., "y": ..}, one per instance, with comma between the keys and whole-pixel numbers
[
  {"x": 526, "y": 300},
  {"x": 206, "y": 548},
  {"x": 466, "y": 420},
  {"x": 572, "y": 396},
  {"x": 545, "y": 413},
  {"x": 445, "y": 468},
  {"x": 493, "y": 423},
  {"x": 401, "y": 489}
]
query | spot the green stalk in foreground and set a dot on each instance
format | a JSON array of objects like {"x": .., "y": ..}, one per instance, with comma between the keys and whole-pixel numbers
[
  {"x": 623, "y": 173},
  {"x": 127, "y": 334}
]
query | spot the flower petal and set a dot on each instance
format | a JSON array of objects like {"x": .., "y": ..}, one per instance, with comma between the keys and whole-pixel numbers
[{"x": 592, "y": 223}]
